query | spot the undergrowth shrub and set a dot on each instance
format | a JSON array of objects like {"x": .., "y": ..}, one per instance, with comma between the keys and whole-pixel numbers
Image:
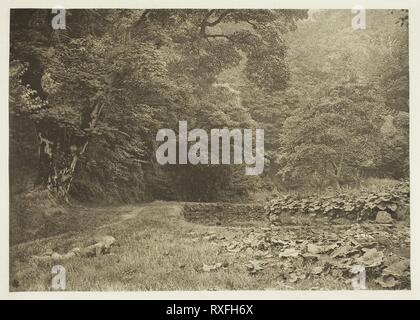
[
  {"x": 355, "y": 204},
  {"x": 37, "y": 214}
]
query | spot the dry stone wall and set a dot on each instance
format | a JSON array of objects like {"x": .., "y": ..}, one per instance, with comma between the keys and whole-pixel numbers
[{"x": 219, "y": 213}]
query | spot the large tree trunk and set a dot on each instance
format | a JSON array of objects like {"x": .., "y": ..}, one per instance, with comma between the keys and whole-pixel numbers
[
  {"x": 57, "y": 162},
  {"x": 59, "y": 152}
]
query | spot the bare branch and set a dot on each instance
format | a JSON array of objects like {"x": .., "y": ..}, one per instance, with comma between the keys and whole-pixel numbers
[
  {"x": 205, "y": 23},
  {"x": 218, "y": 20},
  {"x": 252, "y": 24}
]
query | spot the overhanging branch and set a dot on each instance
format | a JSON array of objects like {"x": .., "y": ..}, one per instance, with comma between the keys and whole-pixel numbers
[{"x": 205, "y": 23}]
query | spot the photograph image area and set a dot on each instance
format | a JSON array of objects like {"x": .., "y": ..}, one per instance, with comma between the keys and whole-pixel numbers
[{"x": 209, "y": 149}]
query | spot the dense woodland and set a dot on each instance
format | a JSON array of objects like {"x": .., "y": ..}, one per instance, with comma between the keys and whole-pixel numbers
[{"x": 86, "y": 102}]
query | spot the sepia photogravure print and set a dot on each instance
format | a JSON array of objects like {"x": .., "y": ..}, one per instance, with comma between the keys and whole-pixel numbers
[{"x": 209, "y": 149}]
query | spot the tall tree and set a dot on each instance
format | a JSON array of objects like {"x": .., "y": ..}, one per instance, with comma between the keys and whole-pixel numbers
[{"x": 114, "y": 76}]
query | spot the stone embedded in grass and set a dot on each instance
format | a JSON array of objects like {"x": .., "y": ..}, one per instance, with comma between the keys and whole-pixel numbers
[
  {"x": 255, "y": 266},
  {"x": 210, "y": 237},
  {"x": 102, "y": 246},
  {"x": 214, "y": 267},
  {"x": 76, "y": 251}
]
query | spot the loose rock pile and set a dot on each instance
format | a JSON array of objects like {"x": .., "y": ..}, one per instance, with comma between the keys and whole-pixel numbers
[{"x": 299, "y": 253}]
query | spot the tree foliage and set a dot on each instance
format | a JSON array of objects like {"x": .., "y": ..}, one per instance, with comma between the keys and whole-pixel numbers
[
  {"x": 350, "y": 94},
  {"x": 96, "y": 92}
]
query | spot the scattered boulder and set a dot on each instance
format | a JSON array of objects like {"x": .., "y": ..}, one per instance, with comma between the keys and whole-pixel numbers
[
  {"x": 255, "y": 266},
  {"x": 101, "y": 246},
  {"x": 214, "y": 267}
]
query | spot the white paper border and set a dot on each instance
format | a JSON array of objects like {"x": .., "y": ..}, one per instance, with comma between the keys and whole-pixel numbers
[{"x": 414, "y": 65}]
